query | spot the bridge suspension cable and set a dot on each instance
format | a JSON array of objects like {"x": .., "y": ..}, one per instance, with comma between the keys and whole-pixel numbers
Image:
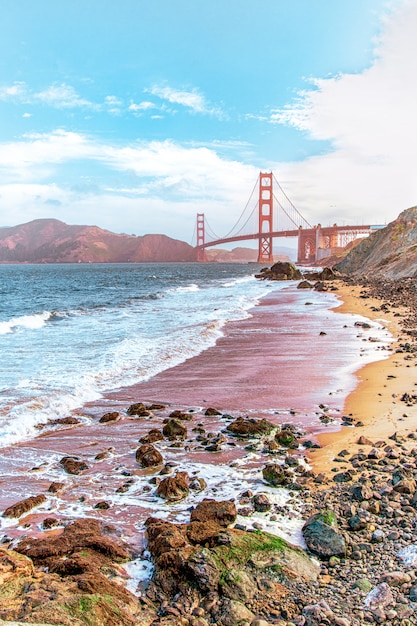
[{"x": 302, "y": 221}]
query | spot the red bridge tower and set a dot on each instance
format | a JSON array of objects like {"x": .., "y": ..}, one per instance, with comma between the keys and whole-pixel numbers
[{"x": 265, "y": 254}]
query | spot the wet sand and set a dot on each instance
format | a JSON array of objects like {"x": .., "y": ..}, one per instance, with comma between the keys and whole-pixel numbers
[{"x": 283, "y": 362}]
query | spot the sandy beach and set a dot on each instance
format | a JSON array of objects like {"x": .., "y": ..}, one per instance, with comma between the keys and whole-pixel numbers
[{"x": 376, "y": 400}]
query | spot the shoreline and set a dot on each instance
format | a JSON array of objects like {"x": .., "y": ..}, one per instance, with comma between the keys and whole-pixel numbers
[{"x": 375, "y": 401}]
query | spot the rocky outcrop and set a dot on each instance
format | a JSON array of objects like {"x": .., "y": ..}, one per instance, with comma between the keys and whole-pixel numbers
[
  {"x": 73, "y": 465},
  {"x": 174, "y": 488},
  {"x": 390, "y": 252},
  {"x": 68, "y": 580},
  {"x": 227, "y": 573}
]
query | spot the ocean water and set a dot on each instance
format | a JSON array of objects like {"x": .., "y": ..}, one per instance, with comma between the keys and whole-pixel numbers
[{"x": 70, "y": 333}]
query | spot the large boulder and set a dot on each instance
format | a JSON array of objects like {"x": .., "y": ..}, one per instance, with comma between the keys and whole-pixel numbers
[
  {"x": 322, "y": 536},
  {"x": 282, "y": 270}
]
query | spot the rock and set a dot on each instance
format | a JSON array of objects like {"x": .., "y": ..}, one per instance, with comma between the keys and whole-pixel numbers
[
  {"x": 275, "y": 475},
  {"x": 250, "y": 427},
  {"x": 211, "y": 412},
  {"x": 138, "y": 408},
  {"x": 174, "y": 430},
  {"x": 202, "y": 570},
  {"x": 16, "y": 510},
  {"x": 361, "y": 492},
  {"x": 237, "y": 584},
  {"x": 174, "y": 488},
  {"x": 72, "y": 465},
  {"x": 286, "y": 438},
  {"x": 153, "y": 435},
  {"x": 222, "y": 512},
  {"x": 148, "y": 456},
  {"x": 206, "y": 532},
  {"x": 56, "y": 487},
  {"x": 164, "y": 536},
  {"x": 114, "y": 416},
  {"x": 304, "y": 285},
  {"x": 261, "y": 502},
  {"x": 322, "y": 536},
  {"x": 198, "y": 484},
  {"x": 13, "y": 566},
  {"x": 379, "y": 597},
  {"x": 232, "y": 612}
]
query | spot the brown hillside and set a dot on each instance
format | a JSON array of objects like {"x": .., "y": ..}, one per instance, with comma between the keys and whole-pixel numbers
[{"x": 53, "y": 241}]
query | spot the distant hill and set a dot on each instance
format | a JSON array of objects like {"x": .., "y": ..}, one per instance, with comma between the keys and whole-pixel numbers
[
  {"x": 390, "y": 252},
  {"x": 53, "y": 241}
]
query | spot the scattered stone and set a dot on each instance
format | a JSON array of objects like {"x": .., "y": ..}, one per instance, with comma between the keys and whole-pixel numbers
[
  {"x": 114, "y": 416},
  {"x": 148, "y": 456}
]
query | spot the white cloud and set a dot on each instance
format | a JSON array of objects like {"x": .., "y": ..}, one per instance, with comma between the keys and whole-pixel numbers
[
  {"x": 62, "y": 97},
  {"x": 141, "y": 106},
  {"x": 189, "y": 99},
  {"x": 370, "y": 120},
  {"x": 17, "y": 90}
]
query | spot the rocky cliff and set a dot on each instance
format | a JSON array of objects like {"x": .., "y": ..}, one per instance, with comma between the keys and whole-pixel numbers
[
  {"x": 53, "y": 241},
  {"x": 390, "y": 252}
]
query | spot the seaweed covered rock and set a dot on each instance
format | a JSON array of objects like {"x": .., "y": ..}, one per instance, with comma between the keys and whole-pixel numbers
[{"x": 322, "y": 535}]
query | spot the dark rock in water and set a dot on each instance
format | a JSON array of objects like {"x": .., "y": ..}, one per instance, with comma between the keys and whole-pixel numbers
[
  {"x": 70, "y": 421},
  {"x": 198, "y": 484},
  {"x": 261, "y": 502},
  {"x": 181, "y": 415},
  {"x": 222, "y": 512},
  {"x": 56, "y": 487},
  {"x": 286, "y": 438},
  {"x": 148, "y": 456},
  {"x": 174, "y": 488},
  {"x": 138, "y": 408},
  {"x": 275, "y": 475},
  {"x": 72, "y": 465},
  {"x": 16, "y": 510},
  {"x": 250, "y": 427},
  {"x": 174, "y": 430},
  {"x": 322, "y": 536},
  {"x": 211, "y": 412},
  {"x": 103, "y": 505},
  {"x": 109, "y": 417},
  {"x": 49, "y": 522},
  {"x": 153, "y": 435},
  {"x": 282, "y": 270},
  {"x": 304, "y": 285}
]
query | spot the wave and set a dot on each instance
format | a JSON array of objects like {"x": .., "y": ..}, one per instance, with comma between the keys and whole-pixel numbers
[{"x": 37, "y": 320}]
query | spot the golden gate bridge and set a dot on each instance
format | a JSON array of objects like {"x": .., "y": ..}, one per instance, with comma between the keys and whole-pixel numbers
[{"x": 270, "y": 214}]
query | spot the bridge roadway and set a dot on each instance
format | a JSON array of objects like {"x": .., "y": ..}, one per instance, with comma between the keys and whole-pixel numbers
[{"x": 313, "y": 243}]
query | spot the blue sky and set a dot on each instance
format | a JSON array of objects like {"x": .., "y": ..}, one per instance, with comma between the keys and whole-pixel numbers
[{"x": 135, "y": 115}]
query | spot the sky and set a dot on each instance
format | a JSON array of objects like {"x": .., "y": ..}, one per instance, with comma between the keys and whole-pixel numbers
[{"x": 135, "y": 115}]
